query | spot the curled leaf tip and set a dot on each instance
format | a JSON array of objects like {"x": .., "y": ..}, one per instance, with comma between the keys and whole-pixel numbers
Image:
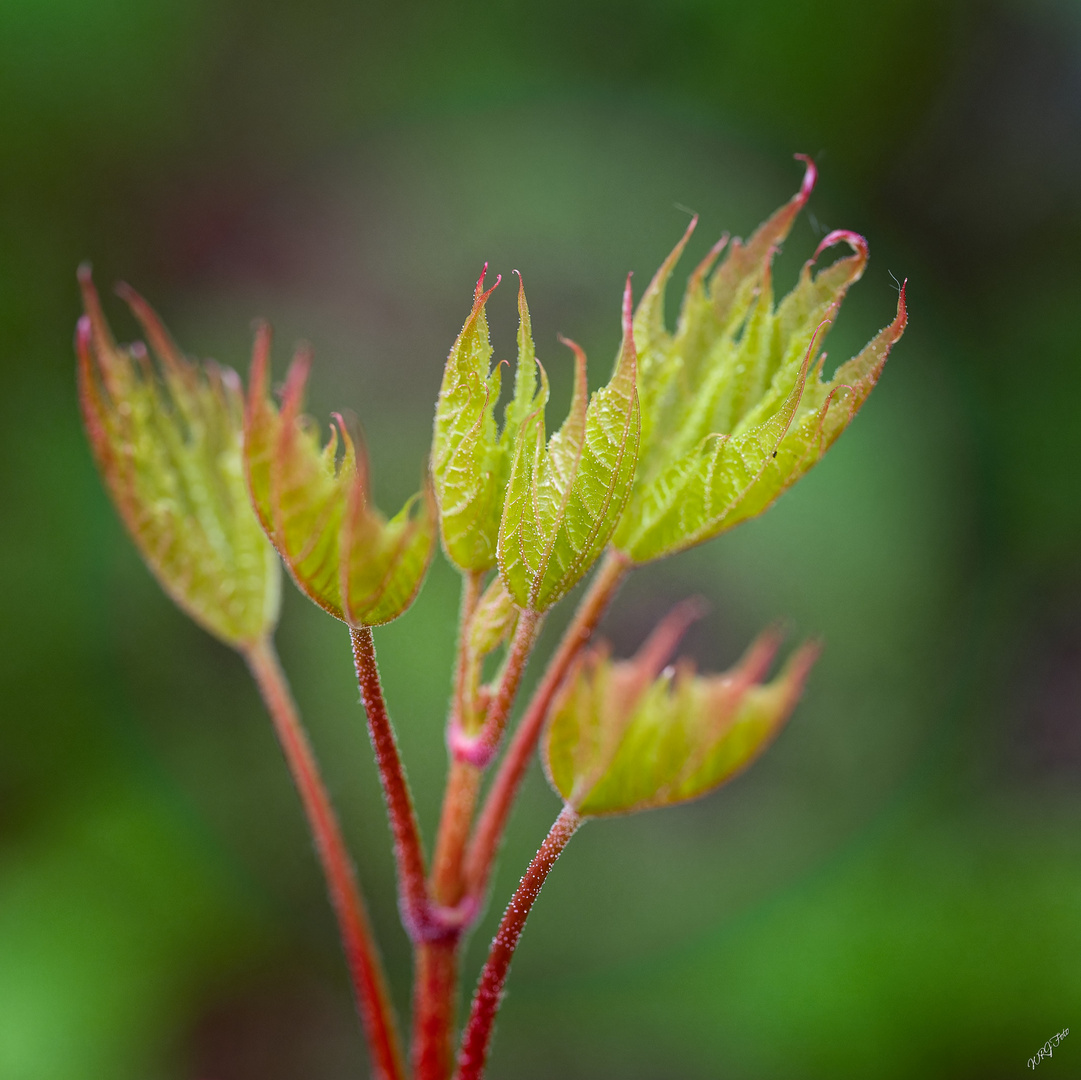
[
  {"x": 579, "y": 352},
  {"x": 480, "y": 294},
  {"x": 854, "y": 240},
  {"x": 746, "y": 369},
  {"x": 810, "y": 176}
]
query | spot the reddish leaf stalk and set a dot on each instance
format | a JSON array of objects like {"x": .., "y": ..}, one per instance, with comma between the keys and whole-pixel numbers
[
  {"x": 493, "y": 818},
  {"x": 362, "y": 954},
  {"x": 486, "y": 1000},
  {"x": 463, "y": 779},
  {"x": 436, "y": 980},
  {"x": 459, "y": 802},
  {"x": 480, "y": 749},
  {"x": 418, "y": 915}
]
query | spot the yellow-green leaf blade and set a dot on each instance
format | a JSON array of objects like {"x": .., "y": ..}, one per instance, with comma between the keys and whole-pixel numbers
[
  {"x": 308, "y": 491},
  {"x": 829, "y": 406},
  {"x": 467, "y": 461},
  {"x": 384, "y": 562},
  {"x": 563, "y": 501},
  {"x": 623, "y": 738},
  {"x": 739, "y": 419},
  {"x": 694, "y": 498},
  {"x": 169, "y": 451}
]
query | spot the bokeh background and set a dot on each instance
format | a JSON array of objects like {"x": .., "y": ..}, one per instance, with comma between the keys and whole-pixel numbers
[{"x": 895, "y": 890}]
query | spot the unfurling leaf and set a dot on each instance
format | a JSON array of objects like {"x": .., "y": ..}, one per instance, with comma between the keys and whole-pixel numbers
[
  {"x": 315, "y": 506},
  {"x": 563, "y": 500},
  {"x": 627, "y": 736},
  {"x": 734, "y": 405},
  {"x": 169, "y": 450},
  {"x": 490, "y": 626},
  {"x": 470, "y": 460},
  {"x": 493, "y": 621}
]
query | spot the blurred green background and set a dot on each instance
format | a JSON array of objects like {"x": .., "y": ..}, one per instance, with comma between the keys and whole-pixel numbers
[{"x": 895, "y": 890}]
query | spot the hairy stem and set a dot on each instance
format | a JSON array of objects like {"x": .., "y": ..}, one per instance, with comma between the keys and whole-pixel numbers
[
  {"x": 362, "y": 954},
  {"x": 436, "y": 980},
  {"x": 463, "y": 780},
  {"x": 480, "y": 749},
  {"x": 435, "y": 999},
  {"x": 459, "y": 800},
  {"x": 414, "y": 902},
  {"x": 478, "y": 1032},
  {"x": 497, "y": 807}
]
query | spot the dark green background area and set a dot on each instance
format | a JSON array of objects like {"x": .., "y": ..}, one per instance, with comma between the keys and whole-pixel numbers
[{"x": 895, "y": 889}]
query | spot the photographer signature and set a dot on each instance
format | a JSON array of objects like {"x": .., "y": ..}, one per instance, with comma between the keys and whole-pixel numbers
[{"x": 1046, "y": 1049}]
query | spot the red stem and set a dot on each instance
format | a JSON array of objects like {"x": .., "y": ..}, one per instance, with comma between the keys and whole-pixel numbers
[
  {"x": 362, "y": 954},
  {"x": 493, "y": 818},
  {"x": 435, "y": 999},
  {"x": 478, "y": 1032},
  {"x": 463, "y": 779},
  {"x": 418, "y": 916},
  {"x": 436, "y": 978},
  {"x": 480, "y": 749}
]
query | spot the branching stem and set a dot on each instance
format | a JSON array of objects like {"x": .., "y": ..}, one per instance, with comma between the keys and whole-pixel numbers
[
  {"x": 488, "y": 834},
  {"x": 362, "y": 954},
  {"x": 480, "y": 749}
]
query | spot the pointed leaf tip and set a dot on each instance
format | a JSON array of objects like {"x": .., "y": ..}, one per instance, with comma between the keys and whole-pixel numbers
[
  {"x": 563, "y": 499},
  {"x": 314, "y": 503},
  {"x": 169, "y": 452},
  {"x": 734, "y": 408},
  {"x": 627, "y": 736},
  {"x": 468, "y": 462},
  {"x": 665, "y": 637}
]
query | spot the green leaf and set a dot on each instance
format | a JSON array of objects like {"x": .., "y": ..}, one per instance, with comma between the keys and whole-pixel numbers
[
  {"x": 625, "y": 736},
  {"x": 563, "y": 500},
  {"x": 493, "y": 620},
  {"x": 308, "y": 491},
  {"x": 491, "y": 625},
  {"x": 384, "y": 562},
  {"x": 731, "y": 417},
  {"x": 826, "y": 409},
  {"x": 693, "y": 498},
  {"x": 168, "y": 447},
  {"x": 314, "y": 505},
  {"x": 466, "y": 455}
]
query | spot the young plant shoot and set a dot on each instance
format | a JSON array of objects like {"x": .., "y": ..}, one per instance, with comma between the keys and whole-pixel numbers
[{"x": 697, "y": 428}]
